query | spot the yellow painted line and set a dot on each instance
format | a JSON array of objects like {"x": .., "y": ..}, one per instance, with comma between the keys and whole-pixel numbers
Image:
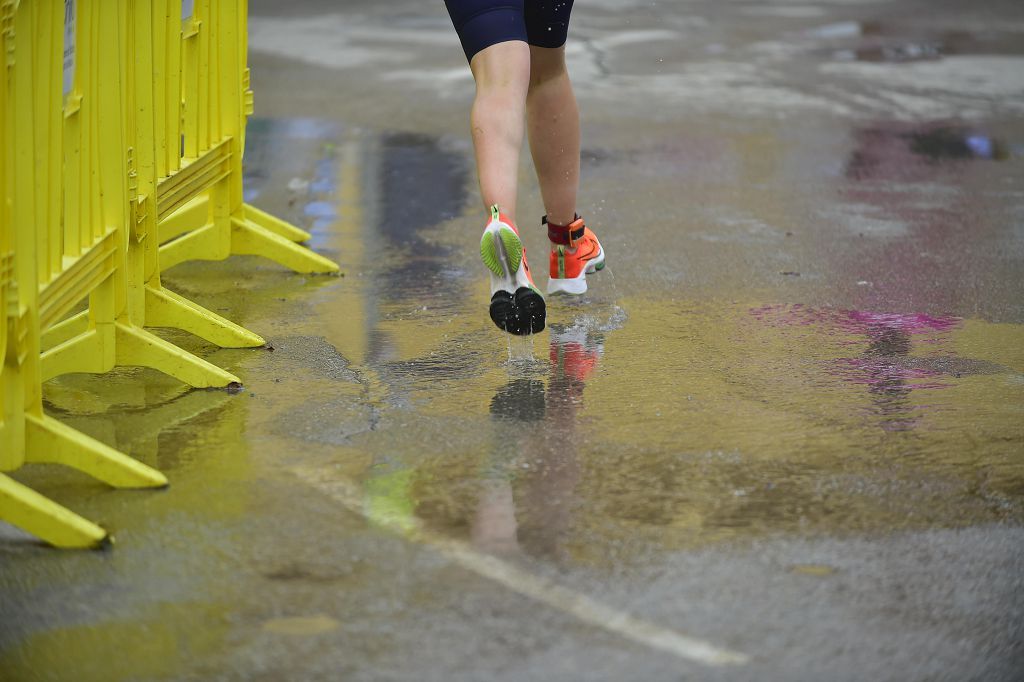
[{"x": 514, "y": 578}]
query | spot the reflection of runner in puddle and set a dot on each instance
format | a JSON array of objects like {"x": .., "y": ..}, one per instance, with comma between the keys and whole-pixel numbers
[
  {"x": 534, "y": 459},
  {"x": 886, "y": 381},
  {"x": 887, "y": 366}
]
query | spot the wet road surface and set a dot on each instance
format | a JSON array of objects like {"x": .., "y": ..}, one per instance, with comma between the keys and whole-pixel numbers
[{"x": 780, "y": 438}]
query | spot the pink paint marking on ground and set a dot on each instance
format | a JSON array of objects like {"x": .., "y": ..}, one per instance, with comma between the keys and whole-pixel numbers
[
  {"x": 853, "y": 321},
  {"x": 883, "y": 364}
]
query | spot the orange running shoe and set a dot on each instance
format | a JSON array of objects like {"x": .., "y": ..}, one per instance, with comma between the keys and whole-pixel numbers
[
  {"x": 577, "y": 253},
  {"x": 517, "y": 305}
]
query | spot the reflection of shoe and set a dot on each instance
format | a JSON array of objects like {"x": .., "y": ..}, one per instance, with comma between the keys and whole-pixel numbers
[
  {"x": 517, "y": 306},
  {"x": 574, "y": 355},
  {"x": 577, "y": 253},
  {"x": 521, "y": 400}
]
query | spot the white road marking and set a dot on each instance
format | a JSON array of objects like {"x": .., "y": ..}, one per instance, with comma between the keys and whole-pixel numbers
[{"x": 543, "y": 590}]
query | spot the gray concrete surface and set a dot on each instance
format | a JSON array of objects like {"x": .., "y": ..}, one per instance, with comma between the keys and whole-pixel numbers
[{"x": 780, "y": 438}]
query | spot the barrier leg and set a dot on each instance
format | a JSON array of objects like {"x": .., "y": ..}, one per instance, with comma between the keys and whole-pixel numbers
[
  {"x": 133, "y": 346},
  {"x": 167, "y": 309},
  {"x": 48, "y": 440},
  {"x": 250, "y": 237},
  {"x": 136, "y": 346},
  {"x": 65, "y": 330},
  {"x": 275, "y": 224},
  {"x": 201, "y": 244},
  {"x": 83, "y": 353},
  {"x": 44, "y": 518}
]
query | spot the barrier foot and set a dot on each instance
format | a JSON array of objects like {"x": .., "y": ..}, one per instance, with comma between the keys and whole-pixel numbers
[
  {"x": 47, "y": 520},
  {"x": 251, "y": 238},
  {"x": 136, "y": 346},
  {"x": 200, "y": 244},
  {"x": 191, "y": 216},
  {"x": 65, "y": 330},
  {"x": 48, "y": 440},
  {"x": 275, "y": 224},
  {"x": 83, "y": 353},
  {"x": 167, "y": 309}
]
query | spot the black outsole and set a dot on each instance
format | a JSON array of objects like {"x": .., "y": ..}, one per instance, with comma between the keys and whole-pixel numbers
[
  {"x": 520, "y": 314},
  {"x": 532, "y": 309}
]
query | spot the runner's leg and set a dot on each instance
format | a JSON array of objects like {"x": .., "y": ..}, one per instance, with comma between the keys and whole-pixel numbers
[
  {"x": 502, "y": 74},
  {"x": 553, "y": 124}
]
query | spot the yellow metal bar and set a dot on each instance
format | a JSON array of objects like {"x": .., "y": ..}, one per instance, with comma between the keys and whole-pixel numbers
[{"x": 47, "y": 520}]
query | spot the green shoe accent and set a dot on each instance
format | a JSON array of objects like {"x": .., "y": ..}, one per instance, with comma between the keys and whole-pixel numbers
[
  {"x": 513, "y": 249},
  {"x": 489, "y": 255},
  {"x": 599, "y": 266},
  {"x": 495, "y": 213},
  {"x": 561, "y": 262}
]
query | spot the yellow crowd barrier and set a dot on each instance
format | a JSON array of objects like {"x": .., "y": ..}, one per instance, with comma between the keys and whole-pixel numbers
[
  {"x": 119, "y": 118},
  {"x": 203, "y": 215},
  {"x": 51, "y": 261}
]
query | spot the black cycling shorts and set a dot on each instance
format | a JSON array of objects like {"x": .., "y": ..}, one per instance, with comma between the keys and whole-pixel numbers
[{"x": 482, "y": 23}]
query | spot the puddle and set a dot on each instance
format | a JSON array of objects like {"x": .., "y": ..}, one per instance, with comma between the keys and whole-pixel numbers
[
  {"x": 893, "y": 150},
  {"x": 421, "y": 184},
  {"x": 906, "y": 52},
  {"x": 898, "y": 354},
  {"x": 941, "y": 144},
  {"x": 301, "y": 625},
  {"x": 878, "y": 42},
  {"x": 416, "y": 184}
]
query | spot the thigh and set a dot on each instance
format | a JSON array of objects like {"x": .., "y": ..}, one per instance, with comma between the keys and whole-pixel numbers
[
  {"x": 482, "y": 23},
  {"x": 547, "y": 22}
]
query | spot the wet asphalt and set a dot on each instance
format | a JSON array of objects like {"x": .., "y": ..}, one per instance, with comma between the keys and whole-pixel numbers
[{"x": 780, "y": 438}]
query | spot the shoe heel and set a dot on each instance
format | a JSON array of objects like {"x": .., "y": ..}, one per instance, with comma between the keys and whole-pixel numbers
[
  {"x": 503, "y": 312},
  {"x": 532, "y": 310},
  {"x": 522, "y": 314}
]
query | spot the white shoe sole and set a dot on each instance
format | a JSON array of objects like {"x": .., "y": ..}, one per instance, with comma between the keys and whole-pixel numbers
[{"x": 576, "y": 286}]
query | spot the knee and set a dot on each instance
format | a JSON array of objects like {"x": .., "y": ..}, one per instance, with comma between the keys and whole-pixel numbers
[
  {"x": 546, "y": 65},
  {"x": 502, "y": 67}
]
